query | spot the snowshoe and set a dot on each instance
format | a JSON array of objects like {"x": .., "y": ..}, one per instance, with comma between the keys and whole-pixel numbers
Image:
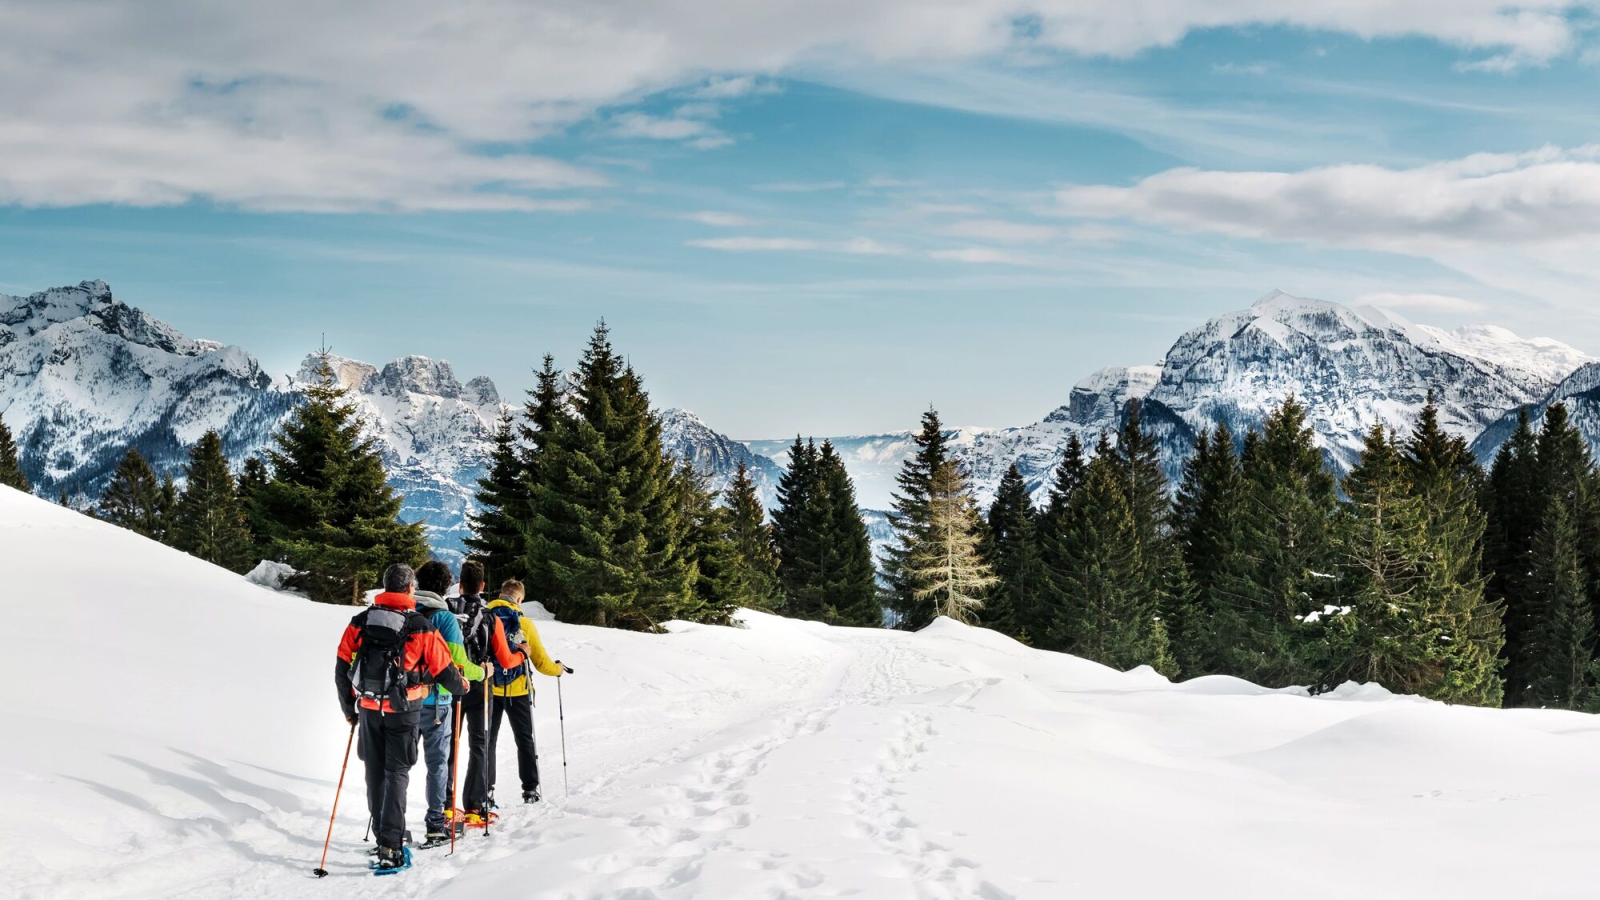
[
  {"x": 405, "y": 838},
  {"x": 390, "y": 861},
  {"x": 438, "y": 836},
  {"x": 477, "y": 819},
  {"x": 531, "y": 796}
]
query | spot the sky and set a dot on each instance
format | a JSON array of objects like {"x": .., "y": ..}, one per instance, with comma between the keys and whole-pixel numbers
[{"x": 801, "y": 217}]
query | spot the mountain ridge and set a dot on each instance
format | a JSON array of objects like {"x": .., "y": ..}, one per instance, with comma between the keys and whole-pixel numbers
[{"x": 83, "y": 376}]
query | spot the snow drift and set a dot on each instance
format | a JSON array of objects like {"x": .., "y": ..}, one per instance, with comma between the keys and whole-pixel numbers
[{"x": 173, "y": 734}]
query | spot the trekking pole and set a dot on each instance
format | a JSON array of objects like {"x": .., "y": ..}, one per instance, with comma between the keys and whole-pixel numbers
[
  {"x": 561, "y": 714},
  {"x": 319, "y": 871},
  {"x": 488, "y": 752},
  {"x": 455, "y": 750}
]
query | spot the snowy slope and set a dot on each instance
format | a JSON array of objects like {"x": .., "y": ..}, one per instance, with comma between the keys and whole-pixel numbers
[{"x": 193, "y": 753}]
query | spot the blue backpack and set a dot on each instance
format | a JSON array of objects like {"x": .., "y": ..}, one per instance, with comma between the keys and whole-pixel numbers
[{"x": 511, "y": 620}]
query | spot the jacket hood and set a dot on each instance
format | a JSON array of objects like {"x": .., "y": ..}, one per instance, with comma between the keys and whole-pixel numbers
[
  {"x": 430, "y": 600},
  {"x": 392, "y": 600}
]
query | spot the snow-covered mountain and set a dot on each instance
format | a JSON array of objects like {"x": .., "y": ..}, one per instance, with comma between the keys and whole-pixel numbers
[
  {"x": 1350, "y": 367},
  {"x": 434, "y": 432},
  {"x": 1579, "y": 392},
  {"x": 84, "y": 376},
  {"x": 687, "y": 436}
]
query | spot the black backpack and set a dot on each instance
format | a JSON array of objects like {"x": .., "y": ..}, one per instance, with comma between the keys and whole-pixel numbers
[
  {"x": 378, "y": 671},
  {"x": 477, "y": 628}
]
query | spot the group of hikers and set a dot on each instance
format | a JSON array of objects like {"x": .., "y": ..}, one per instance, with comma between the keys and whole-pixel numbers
[{"x": 412, "y": 669}]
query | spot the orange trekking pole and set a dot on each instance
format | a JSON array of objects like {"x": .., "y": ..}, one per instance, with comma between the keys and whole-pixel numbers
[{"x": 319, "y": 871}]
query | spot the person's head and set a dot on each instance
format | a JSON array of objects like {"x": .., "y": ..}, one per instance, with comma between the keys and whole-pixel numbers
[
  {"x": 399, "y": 579},
  {"x": 472, "y": 578},
  {"x": 512, "y": 590},
  {"x": 434, "y": 577}
]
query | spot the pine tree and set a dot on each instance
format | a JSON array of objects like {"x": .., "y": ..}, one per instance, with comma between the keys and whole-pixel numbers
[
  {"x": 1137, "y": 463},
  {"x": 951, "y": 574},
  {"x": 716, "y": 595},
  {"x": 253, "y": 476},
  {"x": 1043, "y": 621},
  {"x": 1560, "y": 668},
  {"x": 1105, "y": 614},
  {"x": 209, "y": 522},
  {"x": 133, "y": 498},
  {"x": 1206, "y": 528},
  {"x": 753, "y": 568},
  {"x": 1284, "y": 571},
  {"x": 11, "y": 474},
  {"x": 167, "y": 510},
  {"x": 542, "y": 415},
  {"x": 1383, "y": 634},
  {"x": 1469, "y": 629},
  {"x": 498, "y": 526},
  {"x": 543, "y": 411},
  {"x": 1011, "y": 547},
  {"x": 905, "y": 595},
  {"x": 1511, "y": 499},
  {"x": 328, "y": 510},
  {"x": 607, "y": 531},
  {"x": 848, "y": 584},
  {"x": 795, "y": 531}
]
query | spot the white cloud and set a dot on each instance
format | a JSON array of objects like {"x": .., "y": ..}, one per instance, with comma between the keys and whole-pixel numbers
[
  {"x": 1256, "y": 68},
  {"x": 802, "y": 187},
  {"x": 981, "y": 255},
  {"x": 734, "y": 87},
  {"x": 1548, "y": 196},
  {"x": 659, "y": 128},
  {"x": 719, "y": 219},
  {"x": 857, "y": 246},
  {"x": 1094, "y": 233},
  {"x": 1000, "y": 230},
  {"x": 1434, "y": 303},
  {"x": 361, "y": 104}
]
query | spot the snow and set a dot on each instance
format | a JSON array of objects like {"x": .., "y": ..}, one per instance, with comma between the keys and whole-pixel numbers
[
  {"x": 190, "y": 750},
  {"x": 270, "y": 574}
]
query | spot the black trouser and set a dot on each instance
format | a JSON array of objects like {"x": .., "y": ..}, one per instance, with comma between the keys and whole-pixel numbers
[
  {"x": 389, "y": 748},
  {"x": 475, "y": 716},
  {"x": 520, "y": 711}
]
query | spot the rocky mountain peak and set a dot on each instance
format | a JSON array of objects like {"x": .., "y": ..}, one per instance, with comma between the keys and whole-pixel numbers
[
  {"x": 90, "y": 305},
  {"x": 418, "y": 375}
]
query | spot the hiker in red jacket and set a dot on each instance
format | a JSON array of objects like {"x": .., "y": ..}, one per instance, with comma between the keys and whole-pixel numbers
[{"x": 389, "y": 658}]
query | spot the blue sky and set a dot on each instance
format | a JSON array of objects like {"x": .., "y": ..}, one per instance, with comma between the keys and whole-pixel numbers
[{"x": 821, "y": 219}]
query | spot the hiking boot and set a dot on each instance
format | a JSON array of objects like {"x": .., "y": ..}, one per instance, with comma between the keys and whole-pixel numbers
[
  {"x": 531, "y": 796},
  {"x": 389, "y": 858}
]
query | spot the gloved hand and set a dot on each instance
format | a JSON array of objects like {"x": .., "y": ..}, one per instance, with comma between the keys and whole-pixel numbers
[{"x": 352, "y": 718}]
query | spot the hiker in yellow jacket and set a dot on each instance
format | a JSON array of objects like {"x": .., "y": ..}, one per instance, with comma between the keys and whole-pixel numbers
[{"x": 513, "y": 689}]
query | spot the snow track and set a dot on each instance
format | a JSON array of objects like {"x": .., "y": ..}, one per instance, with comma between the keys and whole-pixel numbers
[{"x": 190, "y": 751}]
